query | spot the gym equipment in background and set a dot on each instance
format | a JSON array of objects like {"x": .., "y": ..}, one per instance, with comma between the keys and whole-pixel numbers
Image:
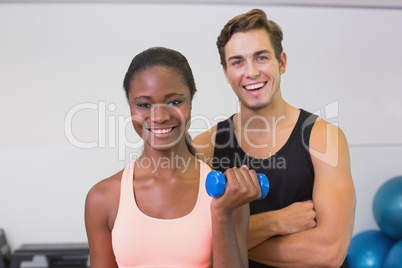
[
  {"x": 5, "y": 252},
  {"x": 387, "y": 207},
  {"x": 54, "y": 255},
  {"x": 394, "y": 256},
  {"x": 369, "y": 249},
  {"x": 381, "y": 248}
]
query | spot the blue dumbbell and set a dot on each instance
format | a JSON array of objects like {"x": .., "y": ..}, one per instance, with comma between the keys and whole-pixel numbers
[{"x": 216, "y": 182}]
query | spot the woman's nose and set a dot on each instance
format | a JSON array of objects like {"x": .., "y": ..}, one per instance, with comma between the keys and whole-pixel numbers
[{"x": 160, "y": 113}]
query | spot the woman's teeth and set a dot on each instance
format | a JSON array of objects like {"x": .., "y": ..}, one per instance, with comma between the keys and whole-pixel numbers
[{"x": 161, "y": 131}]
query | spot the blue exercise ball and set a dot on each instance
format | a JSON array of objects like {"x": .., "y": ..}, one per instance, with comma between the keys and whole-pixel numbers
[
  {"x": 387, "y": 207},
  {"x": 368, "y": 249},
  {"x": 394, "y": 257}
]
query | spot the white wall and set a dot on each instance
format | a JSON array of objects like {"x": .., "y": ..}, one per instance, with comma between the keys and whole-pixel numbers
[{"x": 58, "y": 57}]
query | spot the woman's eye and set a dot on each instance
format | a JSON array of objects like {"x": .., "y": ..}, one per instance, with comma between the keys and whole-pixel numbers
[
  {"x": 174, "y": 102},
  {"x": 144, "y": 105}
]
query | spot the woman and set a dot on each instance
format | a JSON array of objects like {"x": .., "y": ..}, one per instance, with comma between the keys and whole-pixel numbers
[{"x": 156, "y": 212}]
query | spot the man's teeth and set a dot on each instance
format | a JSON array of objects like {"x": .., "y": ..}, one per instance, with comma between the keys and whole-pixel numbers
[
  {"x": 254, "y": 86},
  {"x": 161, "y": 131}
]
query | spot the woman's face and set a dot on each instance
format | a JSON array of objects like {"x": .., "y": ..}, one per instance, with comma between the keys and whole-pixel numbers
[{"x": 160, "y": 105}]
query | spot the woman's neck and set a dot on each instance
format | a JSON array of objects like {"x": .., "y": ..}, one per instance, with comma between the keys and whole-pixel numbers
[{"x": 165, "y": 162}]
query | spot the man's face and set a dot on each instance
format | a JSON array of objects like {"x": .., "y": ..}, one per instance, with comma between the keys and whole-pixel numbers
[{"x": 252, "y": 69}]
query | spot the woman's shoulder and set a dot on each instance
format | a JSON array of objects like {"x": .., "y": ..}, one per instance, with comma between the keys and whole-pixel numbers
[
  {"x": 102, "y": 202},
  {"x": 106, "y": 191}
]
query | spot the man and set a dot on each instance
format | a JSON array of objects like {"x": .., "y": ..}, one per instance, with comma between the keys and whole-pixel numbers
[{"x": 307, "y": 218}]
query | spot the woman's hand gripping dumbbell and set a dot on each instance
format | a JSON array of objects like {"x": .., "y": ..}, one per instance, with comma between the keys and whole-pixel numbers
[{"x": 215, "y": 184}]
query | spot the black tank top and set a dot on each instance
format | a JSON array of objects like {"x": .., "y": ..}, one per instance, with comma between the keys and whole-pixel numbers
[{"x": 290, "y": 171}]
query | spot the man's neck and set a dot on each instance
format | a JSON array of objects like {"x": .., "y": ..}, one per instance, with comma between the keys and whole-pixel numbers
[
  {"x": 261, "y": 133},
  {"x": 273, "y": 115}
]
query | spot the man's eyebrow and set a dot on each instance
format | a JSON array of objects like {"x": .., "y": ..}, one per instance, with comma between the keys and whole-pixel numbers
[
  {"x": 262, "y": 52},
  {"x": 237, "y": 57}
]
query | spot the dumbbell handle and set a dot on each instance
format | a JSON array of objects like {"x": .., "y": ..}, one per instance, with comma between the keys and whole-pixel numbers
[{"x": 216, "y": 182}]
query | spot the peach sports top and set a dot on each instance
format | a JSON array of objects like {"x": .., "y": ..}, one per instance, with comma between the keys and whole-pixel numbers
[{"x": 142, "y": 241}]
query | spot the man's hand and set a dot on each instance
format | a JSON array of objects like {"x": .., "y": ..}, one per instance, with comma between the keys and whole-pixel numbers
[{"x": 296, "y": 217}]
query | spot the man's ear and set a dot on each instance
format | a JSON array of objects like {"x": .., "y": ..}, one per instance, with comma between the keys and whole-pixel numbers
[
  {"x": 226, "y": 74},
  {"x": 284, "y": 61}
]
